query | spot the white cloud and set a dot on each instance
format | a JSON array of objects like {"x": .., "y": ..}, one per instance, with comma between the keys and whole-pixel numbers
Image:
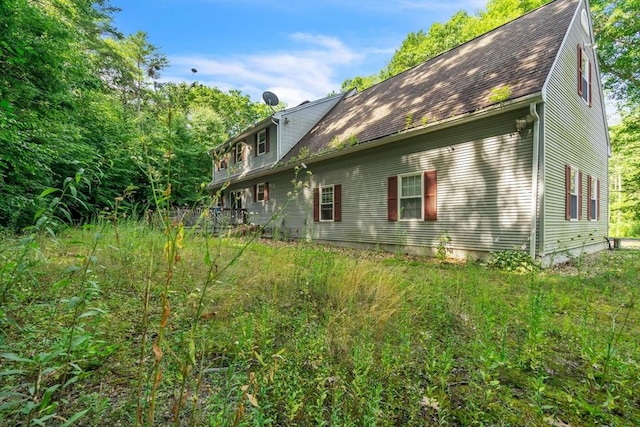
[
  {"x": 295, "y": 75},
  {"x": 306, "y": 66}
]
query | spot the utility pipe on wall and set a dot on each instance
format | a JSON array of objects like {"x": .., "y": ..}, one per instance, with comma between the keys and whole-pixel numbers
[{"x": 534, "y": 179}]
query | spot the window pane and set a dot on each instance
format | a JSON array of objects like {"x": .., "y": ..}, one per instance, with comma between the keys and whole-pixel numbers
[
  {"x": 574, "y": 187},
  {"x": 326, "y": 204},
  {"x": 411, "y": 208},
  {"x": 585, "y": 78},
  {"x": 262, "y": 142},
  {"x": 411, "y": 186},
  {"x": 594, "y": 209},
  {"x": 574, "y": 206},
  {"x": 326, "y": 212},
  {"x": 327, "y": 195},
  {"x": 260, "y": 195}
]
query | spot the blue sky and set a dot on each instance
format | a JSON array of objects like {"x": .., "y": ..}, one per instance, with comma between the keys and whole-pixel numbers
[{"x": 299, "y": 50}]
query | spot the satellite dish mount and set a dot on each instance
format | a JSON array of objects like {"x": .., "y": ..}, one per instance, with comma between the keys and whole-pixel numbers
[{"x": 270, "y": 99}]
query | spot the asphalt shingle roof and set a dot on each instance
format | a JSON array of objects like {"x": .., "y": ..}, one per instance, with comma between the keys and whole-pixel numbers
[{"x": 519, "y": 54}]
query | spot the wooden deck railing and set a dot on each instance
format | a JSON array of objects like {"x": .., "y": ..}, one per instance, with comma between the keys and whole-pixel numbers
[{"x": 217, "y": 218}]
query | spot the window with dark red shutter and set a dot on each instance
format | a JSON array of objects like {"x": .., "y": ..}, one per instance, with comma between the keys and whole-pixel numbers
[
  {"x": 580, "y": 195},
  {"x": 392, "y": 198},
  {"x": 316, "y": 204},
  {"x": 579, "y": 70},
  {"x": 430, "y": 195},
  {"x": 573, "y": 193},
  {"x": 589, "y": 192},
  {"x": 567, "y": 191},
  {"x": 262, "y": 142},
  {"x": 337, "y": 203},
  {"x": 584, "y": 76}
]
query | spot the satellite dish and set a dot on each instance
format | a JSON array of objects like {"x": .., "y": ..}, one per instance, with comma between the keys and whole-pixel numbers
[{"x": 270, "y": 98}]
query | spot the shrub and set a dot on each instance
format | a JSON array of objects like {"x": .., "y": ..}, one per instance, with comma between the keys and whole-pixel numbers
[{"x": 513, "y": 260}]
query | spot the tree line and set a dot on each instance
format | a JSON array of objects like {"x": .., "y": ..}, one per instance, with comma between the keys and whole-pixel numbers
[{"x": 76, "y": 95}]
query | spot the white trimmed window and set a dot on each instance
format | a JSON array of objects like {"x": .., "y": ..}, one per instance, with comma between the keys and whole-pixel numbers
[
  {"x": 574, "y": 194},
  {"x": 261, "y": 144},
  {"x": 573, "y": 185},
  {"x": 261, "y": 192},
  {"x": 586, "y": 71},
  {"x": 410, "y": 190},
  {"x": 584, "y": 76},
  {"x": 239, "y": 153},
  {"x": 326, "y": 203}
]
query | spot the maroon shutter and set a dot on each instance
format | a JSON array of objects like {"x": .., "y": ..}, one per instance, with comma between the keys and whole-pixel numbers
[
  {"x": 598, "y": 202},
  {"x": 590, "y": 91},
  {"x": 589, "y": 213},
  {"x": 255, "y": 192},
  {"x": 392, "y": 198},
  {"x": 266, "y": 191},
  {"x": 316, "y": 204},
  {"x": 337, "y": 203},
  {"x": 255, "y": 145},
  {"x": 579, "y": 195},
  {"x": 579, "y": 70},
  {"x": 567, "y": 198},
  {"x": 266, "y": 144},
  {"x": 430, "y": 195}
]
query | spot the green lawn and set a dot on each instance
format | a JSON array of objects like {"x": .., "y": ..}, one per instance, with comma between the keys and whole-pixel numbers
[{"x": 106, "y": 326}]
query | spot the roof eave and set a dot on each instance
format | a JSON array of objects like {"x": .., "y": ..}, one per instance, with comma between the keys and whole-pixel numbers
[
  {"x": 241, "y": 177},
  {"x": 492, "y": 110}
]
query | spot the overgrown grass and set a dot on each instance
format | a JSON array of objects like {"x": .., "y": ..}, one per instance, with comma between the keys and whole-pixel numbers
[{"x": 299, "y": 334}]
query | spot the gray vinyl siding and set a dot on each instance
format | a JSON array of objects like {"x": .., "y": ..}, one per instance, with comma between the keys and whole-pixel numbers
[
  {"x": 287, "y": 207},
  {"x": 574, "y": 134},
  {"x": 251, "y": 162},
  {"x": 484, "y": 187},
  {"x": 295, "y": 123}
]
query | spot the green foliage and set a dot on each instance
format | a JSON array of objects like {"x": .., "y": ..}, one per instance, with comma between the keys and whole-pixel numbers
[
  {"x": 500, "y": 94},
  {"x": 76, "y": 94},
  {"x": 616, "y": 26},
  {"x": 513, "y": 260},
  {"x": 314, "y": 336},
  {"x": 444, "y": 249},
  {"x": 624, "y": 177}
]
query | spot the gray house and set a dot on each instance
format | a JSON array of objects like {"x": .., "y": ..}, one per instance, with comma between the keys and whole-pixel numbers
[{"x": 500, "y": 143}]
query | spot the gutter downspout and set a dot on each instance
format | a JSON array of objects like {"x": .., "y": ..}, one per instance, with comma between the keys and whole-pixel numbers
[{"x": 534, "y": 179}]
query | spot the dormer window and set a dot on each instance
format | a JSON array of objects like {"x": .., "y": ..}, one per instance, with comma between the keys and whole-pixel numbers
[
  {"x": 262, "y": 142},
  {"x": 584, "y": 76},
  {"x": 239, "y": 152}
]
